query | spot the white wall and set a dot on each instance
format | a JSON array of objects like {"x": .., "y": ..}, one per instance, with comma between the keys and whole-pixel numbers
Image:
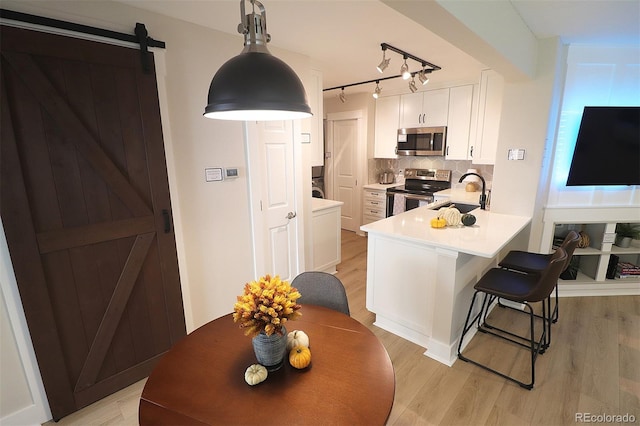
[
  {"x": 211, "y": 219},
  {"x": 596, "y": 75}
]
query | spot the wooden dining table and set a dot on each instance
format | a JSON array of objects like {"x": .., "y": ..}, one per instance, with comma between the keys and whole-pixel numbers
[{"x": 200, "y": 381}]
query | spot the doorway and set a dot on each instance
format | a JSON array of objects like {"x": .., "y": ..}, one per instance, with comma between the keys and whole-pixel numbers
[{"x": 346, "y": 145}]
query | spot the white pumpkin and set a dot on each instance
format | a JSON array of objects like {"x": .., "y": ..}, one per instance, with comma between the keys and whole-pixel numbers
[
  {"x": 451, "y": 215},
  {"x": 255, "y": 374},
  {"x": 297, "y": 338}
]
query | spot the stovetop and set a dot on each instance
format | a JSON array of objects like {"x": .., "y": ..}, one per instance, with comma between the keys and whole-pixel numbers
[{"x": 424, "y": 181}]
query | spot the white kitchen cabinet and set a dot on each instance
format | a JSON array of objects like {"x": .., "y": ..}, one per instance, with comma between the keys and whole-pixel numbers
[
  {"x": 374, "y": 204},
  {"x": 489, "y": 112},
  {"x": 386, "y": 126},
  {"x": 326, "y": 234},
  {"x": 424, "y": 109},
  {"x": 459, "y": 124}
]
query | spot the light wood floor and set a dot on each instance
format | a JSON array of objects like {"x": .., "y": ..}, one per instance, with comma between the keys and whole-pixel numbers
[{"x": 592, "y": 366}]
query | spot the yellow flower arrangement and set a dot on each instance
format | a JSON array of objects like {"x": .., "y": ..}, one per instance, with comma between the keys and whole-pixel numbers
[{"x": 266, "y": 305}]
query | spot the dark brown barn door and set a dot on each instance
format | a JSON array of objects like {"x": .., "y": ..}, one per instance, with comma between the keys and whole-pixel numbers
[{"x": 86, "y": 210}]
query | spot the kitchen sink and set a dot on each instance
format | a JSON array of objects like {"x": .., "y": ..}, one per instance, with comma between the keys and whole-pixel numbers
[{"x": 463, "y": 208}]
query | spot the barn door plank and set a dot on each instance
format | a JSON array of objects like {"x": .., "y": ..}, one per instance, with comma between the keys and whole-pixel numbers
[
  {"x": 18, "y": 228},
  {"x": 61, "y": 239},
  {"x": 74, "y": 130},
  {"x": 111, "y": 318}
]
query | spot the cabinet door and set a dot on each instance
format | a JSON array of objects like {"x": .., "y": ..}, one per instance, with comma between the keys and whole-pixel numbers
[
  {"x": 435, "y": 107},
  {"x": 489, "y": 111},
  {"x": 411, "y": 114},
  {"x": 459, "y": 122},
  {"x": 386, "y": 125}
]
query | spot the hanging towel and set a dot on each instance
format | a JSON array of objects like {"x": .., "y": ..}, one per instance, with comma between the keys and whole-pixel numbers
[
  {"x": 422, "y": 203},
  {"x": 398, "y": 203}
]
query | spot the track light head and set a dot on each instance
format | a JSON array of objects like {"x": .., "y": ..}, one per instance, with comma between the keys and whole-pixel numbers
[
  {"x": 376, "y": 92},
  {"x": 422, "y": 76},
  {"x": 412, "y": 85},
  {"x": 404, "y": 70},
  {"x": 342, "y": 96},
  {"x": 385, "y": 62},
  {"x": 383, "y": 65}
]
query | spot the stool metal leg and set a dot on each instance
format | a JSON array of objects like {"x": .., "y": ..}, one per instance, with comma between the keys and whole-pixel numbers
[{"x": 534, "y": 347}]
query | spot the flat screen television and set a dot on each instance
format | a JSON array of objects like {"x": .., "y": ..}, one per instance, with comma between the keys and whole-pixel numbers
[{"x": 607, "y": 149}]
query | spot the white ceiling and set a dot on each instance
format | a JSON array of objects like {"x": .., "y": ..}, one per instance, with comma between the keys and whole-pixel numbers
[{"x": 342, "y": 37}]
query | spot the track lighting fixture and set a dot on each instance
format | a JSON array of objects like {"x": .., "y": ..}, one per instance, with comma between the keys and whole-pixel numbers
[
  {"x": 405, "y": 73},
  {"x": 404, "y": 70},
  {"x": 342, "y": 96},
  {"x": 412, "y": 85},
  {"x": 255, "y": 85},
  {"x": 376, "y": 92},
  {"x": 385, "y": 62}
]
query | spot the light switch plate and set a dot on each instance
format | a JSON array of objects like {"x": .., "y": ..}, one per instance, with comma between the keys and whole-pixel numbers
[
  {"x": 608, "y": 237},
  {"x": 516, "y": 154}
]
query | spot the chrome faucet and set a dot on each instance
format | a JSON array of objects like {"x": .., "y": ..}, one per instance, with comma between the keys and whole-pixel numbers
[{"x": 483, "y": 196}]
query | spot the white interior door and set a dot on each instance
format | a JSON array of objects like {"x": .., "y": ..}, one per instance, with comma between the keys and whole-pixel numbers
[
  {"x": 346, "y": 140},
  {"x": 273, "y": 193}
]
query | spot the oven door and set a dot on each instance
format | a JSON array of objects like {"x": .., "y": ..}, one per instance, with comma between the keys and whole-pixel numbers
[{"x": 400, "y": 202}]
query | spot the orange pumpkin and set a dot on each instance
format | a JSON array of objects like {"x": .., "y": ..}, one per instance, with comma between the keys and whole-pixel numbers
[{"x": 300, "y": 357}]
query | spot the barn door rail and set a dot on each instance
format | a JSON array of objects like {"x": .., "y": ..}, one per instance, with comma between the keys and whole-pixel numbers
[{"x": 140, "y": 36}]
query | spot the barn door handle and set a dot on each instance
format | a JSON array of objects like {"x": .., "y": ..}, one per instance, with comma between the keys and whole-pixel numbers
[
  {"x": 291, "y": 215},
  {"x": 167, "y": 221}
]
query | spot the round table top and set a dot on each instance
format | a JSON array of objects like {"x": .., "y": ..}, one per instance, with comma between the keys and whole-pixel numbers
[{"x": 201, "y": 379}]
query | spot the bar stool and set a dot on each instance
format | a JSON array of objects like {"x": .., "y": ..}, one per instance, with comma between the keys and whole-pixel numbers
[
  {"x": 535, "y": 263},
  {"x": 499, "y": 283}
]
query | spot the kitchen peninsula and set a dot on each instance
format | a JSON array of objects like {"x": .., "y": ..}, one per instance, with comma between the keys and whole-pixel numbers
[{"x": 420, "y": 279}]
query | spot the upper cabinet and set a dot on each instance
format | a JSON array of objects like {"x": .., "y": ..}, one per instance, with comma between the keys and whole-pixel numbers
[
  {"x": 459, "y": 124},
  {"x": 424, "y": 109},
  {"x": 386, "y": 126},
  {"x": 489, "y": 112},
  {"x": 314, "y": 124}
]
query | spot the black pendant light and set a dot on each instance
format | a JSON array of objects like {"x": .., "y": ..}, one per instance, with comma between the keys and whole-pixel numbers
[{"x": 255, "y": 85}]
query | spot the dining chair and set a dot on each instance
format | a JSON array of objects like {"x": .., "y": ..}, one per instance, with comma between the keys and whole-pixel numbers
[
  {"x": 524, "y": 289},
  {"x": 323, "y": 289},
  {"x": 535, "y": 263}
]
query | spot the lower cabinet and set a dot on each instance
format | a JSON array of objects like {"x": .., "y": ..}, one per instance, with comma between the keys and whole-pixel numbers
[
  {"x": 374, "y": 204},
  {"x": 326, "y": 234}
]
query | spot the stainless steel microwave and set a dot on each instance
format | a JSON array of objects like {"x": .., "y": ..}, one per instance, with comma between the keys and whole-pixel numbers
[{"x": 422, "y": 141}]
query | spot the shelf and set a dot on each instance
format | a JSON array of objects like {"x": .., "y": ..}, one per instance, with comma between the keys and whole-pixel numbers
[
  {"x": 593, "y": 261},
  {"x": 587, "y": 251},
  {"x": 620, "y": 250}
]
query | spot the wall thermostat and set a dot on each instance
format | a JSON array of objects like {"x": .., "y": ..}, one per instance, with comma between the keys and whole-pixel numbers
[{"x": 231, "y": 172}]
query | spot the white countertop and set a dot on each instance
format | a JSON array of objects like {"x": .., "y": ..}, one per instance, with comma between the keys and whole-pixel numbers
[
  {"x": 318, "y": 204},
  {"x": 382, "y": 187},
  {"x": 491, "y": 232}
]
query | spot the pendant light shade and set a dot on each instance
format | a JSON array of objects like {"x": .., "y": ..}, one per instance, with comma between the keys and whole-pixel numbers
[{"x": 255, "y": 85}]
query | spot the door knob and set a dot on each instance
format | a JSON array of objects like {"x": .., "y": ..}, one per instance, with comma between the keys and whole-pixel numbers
[{"x": 291, "y": 215}]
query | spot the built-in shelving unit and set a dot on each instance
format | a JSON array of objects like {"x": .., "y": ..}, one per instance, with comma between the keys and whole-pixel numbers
[{"x": 593, "y": 261}]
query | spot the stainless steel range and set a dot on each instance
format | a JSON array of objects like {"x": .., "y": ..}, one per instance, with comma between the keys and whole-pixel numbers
[{"x": 419, "y": 187}]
